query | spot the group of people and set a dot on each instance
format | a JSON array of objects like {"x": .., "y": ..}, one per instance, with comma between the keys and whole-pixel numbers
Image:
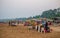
[{"x": 42, "y": 26}]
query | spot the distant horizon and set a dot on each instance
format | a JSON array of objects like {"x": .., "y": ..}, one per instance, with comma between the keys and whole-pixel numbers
[{"x": 10, "y": 9}]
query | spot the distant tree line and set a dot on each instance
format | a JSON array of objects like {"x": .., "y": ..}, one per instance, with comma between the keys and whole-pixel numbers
[{"x": 51, "y": 13}]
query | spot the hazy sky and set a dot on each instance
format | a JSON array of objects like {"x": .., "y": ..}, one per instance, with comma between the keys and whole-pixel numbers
[{"x": 25, "y": 8}]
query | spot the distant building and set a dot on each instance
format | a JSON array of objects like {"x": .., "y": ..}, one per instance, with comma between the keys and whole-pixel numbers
[{"x": 56, "y": 20}]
